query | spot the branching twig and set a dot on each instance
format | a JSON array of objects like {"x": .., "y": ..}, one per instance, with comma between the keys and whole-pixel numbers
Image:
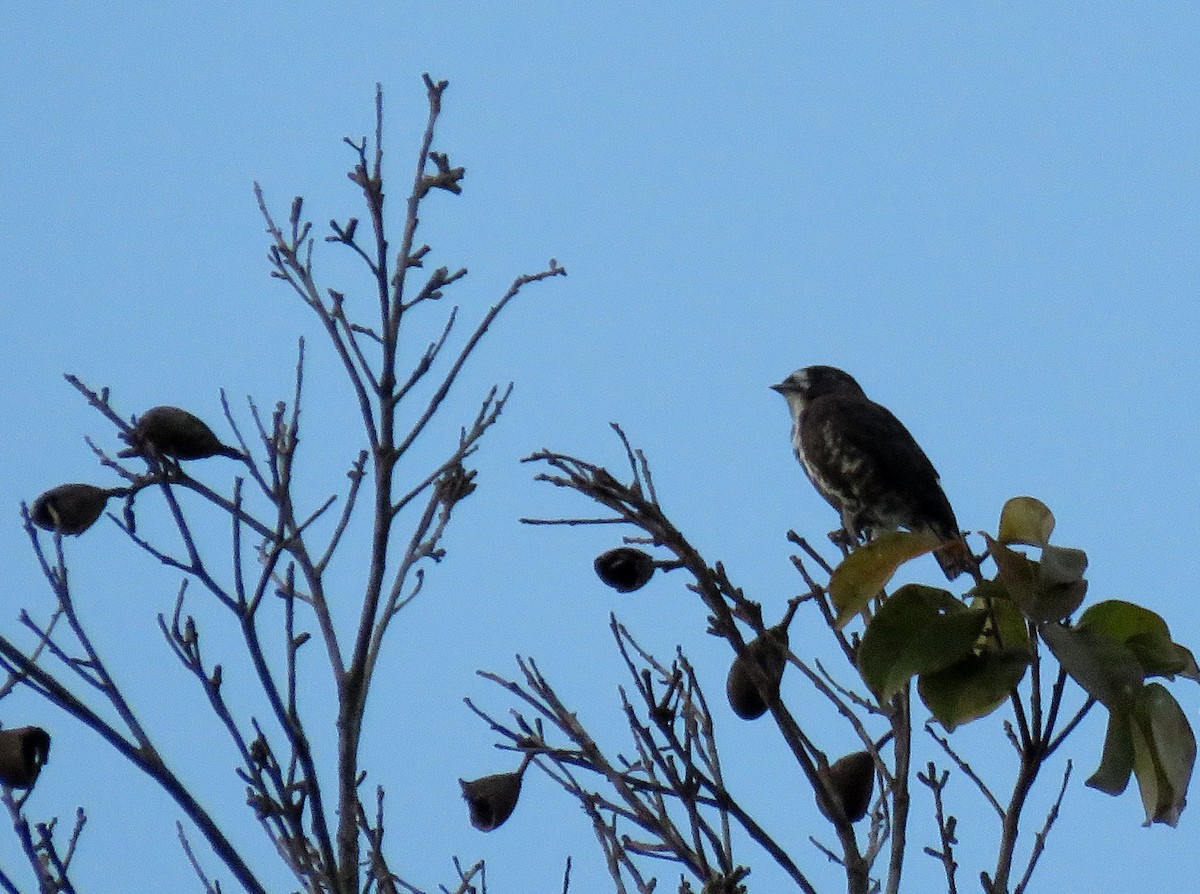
[
  {"x": 281, "y": 777},
  {"x": 947, "y": 825},
  {"x": 1040, "y": 838}
]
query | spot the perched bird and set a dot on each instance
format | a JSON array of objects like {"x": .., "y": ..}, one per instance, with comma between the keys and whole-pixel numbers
[
  {"x": 867, "y": 465},
  {"x": 70, "y": 508},
  {"x": 23, "y": 752},
  {"x": 175, "y": 433}
]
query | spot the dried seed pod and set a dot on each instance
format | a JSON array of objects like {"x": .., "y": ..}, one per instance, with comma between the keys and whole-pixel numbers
[
  {"x": 23, "y": 751},
  {"x": 175, "y": 433},
  {"x": 853, "y": 780},
  {"x": 491, "y": 799},
  {"x": 625, "y": 569},
  {"x": 69, "y": 508},
  {"x": 769, "y": 654}
]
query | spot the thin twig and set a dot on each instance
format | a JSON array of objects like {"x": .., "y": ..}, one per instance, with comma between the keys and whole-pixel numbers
[{"x": 1039, "y": 844}]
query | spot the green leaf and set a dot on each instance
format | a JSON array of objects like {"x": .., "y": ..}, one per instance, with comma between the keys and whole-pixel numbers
[
  {"x": 1016, "y": 572},
  {"x": 1160, "y": 657},
  {"x": 1037, "y": 598},
  {"x": 1190, "y": 669},
  {"x": 1062, "y": 565},
  {"x": 1054, "y": 603},
  {"x": 866, "y": 571},
  {"x": 1164, "y": 754},
  {"x": 1116, "y": 764},
  {"x": 1145, "y": 633},
  {"x": 1014, "y": 633},
  {"x": 973, "y": 686},
  {"x": 1026, "y": 520},
  {"x": 1106, "y": 668},
  {"x": 1122, "y": 620},
  {"x": 1144, "y": 770},
  {"x": 917, "y": 630}
]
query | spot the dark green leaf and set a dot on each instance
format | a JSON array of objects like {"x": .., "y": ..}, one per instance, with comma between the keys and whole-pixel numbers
[
  {"x": 1058, "y": 601},
  {"x": 1104, "y": 667},
  {"x": 1190, "y": 668},
  {"x": 866, "y": 571},
  {"x": 1145, "y": 633},
  {"x": 972, "y": 687},
  {"x": 917, "y": 630},
  {"x": 1014, "y": 632},
  {"x": 1159, "y": 657},
  {"x": 1164, "y": 754},
  {"x": 1116, "y": 765},
  {"x": 1038, "y": 599},
  {"x": 1121, "y": 620}
]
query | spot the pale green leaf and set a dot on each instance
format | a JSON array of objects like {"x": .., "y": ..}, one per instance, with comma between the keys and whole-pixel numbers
[
  {"x": 1170, "y": 754},
  {"x": 1062, "y": 565},
  {"x": 1026, "y": 520},
  {"x": 866, "y": 571}
]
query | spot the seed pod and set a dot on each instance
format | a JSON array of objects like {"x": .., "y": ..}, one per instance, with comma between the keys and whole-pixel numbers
[
  {"x": 69, "y": 508},
  {"x": 625, "y": 569},
  {"x": 769, "y": 654},
  {"x": 175, "y": 433},
  {"x": 853, "y": 780},
  {"x": 491, "y": 799},
  {"x": 23, "y": 751}
]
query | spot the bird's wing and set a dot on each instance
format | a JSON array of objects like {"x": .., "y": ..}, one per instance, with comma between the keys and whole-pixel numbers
[{"x": 862, "y": 448}]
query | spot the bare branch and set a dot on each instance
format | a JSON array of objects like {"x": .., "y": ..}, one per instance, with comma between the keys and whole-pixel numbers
[
  {"x": 967, "y": 770},
  {"x": 947, "y": 825},
  {"x": 1044, "y": 832},
  {"x": 552, "y": 270}
]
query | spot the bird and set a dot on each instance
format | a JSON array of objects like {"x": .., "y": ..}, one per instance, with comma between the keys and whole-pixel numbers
[
  {"x": 71, "y": 508},
  {"x": 23, "y": 752},
  {"x": 175, "y": 433},
  {"x": 867, "y": 465}
]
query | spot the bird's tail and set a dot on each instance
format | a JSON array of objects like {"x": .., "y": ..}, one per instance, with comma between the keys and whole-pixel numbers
[{"x": 955, "y": 557}]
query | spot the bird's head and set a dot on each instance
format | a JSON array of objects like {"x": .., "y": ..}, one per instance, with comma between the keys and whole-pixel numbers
[{"x": 807, "y": 384}]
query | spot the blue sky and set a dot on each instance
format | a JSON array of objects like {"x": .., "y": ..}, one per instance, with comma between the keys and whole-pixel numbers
[{"x": 989, "y": 215}]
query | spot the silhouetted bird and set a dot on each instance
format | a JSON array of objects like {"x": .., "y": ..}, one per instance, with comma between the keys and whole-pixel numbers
[
  {"x": 864, "y": 462},
  {"x": 69, "y": 508},
  {"x": 23, "y": 751},
  {"x": 176, "y": 433}
]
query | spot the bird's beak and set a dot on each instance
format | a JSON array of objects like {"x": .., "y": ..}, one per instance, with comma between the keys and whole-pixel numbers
[{"x": 782, "y": 388}]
